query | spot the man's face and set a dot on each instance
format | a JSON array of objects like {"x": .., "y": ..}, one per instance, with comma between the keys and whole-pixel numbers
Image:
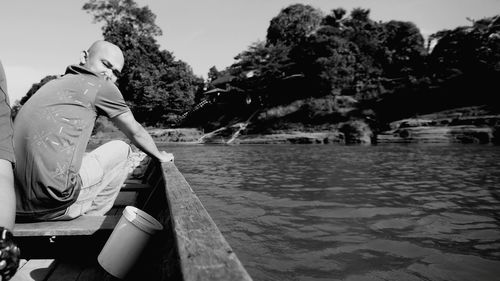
[
  {"x": 106, "y": 63},
  {"x": 110, "y": 71}
]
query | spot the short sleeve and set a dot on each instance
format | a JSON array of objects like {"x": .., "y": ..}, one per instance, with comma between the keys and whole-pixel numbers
[
  {"x": 6, "y": 149},
  {"x": 109, "y": 101}
]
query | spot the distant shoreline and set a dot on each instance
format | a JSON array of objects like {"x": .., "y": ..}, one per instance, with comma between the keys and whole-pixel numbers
[{"x": 417, "y": 134}]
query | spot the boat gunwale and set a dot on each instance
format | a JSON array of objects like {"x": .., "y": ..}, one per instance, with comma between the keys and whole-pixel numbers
[{"x": 203, "y": 252}]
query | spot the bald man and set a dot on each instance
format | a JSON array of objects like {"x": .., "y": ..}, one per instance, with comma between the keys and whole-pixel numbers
[{"x": 56, "y": 179}]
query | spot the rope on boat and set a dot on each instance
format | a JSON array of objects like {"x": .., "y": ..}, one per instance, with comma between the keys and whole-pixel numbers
[{"x": 195, "y": 108}]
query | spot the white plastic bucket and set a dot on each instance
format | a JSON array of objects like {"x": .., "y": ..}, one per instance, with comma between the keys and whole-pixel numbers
[{"x": 127, "y": 241}]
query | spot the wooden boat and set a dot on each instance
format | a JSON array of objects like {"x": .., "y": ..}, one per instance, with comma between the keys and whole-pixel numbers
[{"x": 190, "y": 247}]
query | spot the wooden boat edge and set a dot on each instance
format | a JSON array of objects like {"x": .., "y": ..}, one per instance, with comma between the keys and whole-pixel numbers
[{"x": 204, "y": 253}]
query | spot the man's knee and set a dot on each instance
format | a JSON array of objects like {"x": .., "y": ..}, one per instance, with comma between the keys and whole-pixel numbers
[
  {"x": 112, "y": 153},
  {"x": 121, "y": 147}
]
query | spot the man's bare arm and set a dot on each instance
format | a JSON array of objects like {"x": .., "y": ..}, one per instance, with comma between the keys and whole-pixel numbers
[
  {"x": 139, "y": 136},
  {"x": 7, "y": 195}
]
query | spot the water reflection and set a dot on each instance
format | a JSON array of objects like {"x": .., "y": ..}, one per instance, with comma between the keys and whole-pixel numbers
[{"x": 294, "y": 212}]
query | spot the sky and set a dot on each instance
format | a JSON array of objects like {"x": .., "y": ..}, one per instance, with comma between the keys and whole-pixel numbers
[{"x": 40, "y": 38}]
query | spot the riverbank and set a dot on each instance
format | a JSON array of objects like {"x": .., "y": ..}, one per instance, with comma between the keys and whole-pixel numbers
[
  {"x": 440, "y": 134},
  {"x": 461, "y": 125},
  {"x": 193, "y": 136},
  {"x": 415, "y": 134},
  {"x": 179, "y": 135}
]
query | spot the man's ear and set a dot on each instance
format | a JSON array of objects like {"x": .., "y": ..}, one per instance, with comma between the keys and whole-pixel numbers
[{"x": 83, "y": 57}]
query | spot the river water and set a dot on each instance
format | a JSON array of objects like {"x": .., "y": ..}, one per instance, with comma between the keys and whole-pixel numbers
[{"x": 332, "y": 212}]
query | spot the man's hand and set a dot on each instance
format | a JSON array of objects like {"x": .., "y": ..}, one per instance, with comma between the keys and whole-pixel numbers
[
  {"x": 140, "y": 137},
  {"x": 166, "y": 157},
  {"x": 9, "y": 255}
]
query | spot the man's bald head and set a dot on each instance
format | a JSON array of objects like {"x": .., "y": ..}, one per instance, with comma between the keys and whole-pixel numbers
[{"x": 104, "y": 58}]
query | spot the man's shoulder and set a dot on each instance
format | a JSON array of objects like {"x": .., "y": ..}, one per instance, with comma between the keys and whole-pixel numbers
[
  {"x": 90, "y": 78},
  {"x": 108, "y": 90}
]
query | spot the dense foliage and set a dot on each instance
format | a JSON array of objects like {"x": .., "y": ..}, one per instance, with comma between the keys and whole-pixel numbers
[
  {"x": 313, "y": 68},
  {"x": 293, "y": 25},
  {"x": 385, "y": 68},
  {"x": 340, "y": 56}
]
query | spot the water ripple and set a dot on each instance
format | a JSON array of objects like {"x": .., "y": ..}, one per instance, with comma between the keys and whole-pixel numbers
[{"x": 395, "y": 212}]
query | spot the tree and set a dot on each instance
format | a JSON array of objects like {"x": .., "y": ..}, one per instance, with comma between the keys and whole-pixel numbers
[
  {"x": 405, "y": 49},
  {"x": 293, "y": 24},
  {"x": 157, "y": 87},
  {"x": 330, "y": 63},
  {"x": 34, "y": 87},
  {"x": 479, "y": 47},
  {"x": 465, "y": 62},
  {"x": 263, "y": 68},
  {"x": 340, "y": 57},
  {"x": 111, "y": 12},
  {"x": 260, "y": 68},
  {"x": 213, "y": 73}
]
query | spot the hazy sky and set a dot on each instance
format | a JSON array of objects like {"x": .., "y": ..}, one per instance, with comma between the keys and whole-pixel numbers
[{"x": 39, "y": 38}]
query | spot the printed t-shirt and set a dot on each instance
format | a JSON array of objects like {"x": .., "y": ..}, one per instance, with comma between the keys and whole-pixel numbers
[
  {"x": 6, "y": 150},
  {"x": 51, "y": 132}
]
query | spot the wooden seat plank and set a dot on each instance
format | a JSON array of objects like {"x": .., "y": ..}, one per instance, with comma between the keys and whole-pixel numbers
[
  {"x": 133, "y": 180},
  {"x": 126, "y": 199},
  {"x": 67, "y": 270},
  {"x": 135, "y": 186},
  {"x": 84, "y": 225},
  {"x": 94, "y": 271},
  {"x": 35, "y": 270},
  {"x": 116, "y": 211}
]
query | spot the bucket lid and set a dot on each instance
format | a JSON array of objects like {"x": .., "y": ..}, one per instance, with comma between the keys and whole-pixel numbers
[{"x": 142, "y": 220}]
